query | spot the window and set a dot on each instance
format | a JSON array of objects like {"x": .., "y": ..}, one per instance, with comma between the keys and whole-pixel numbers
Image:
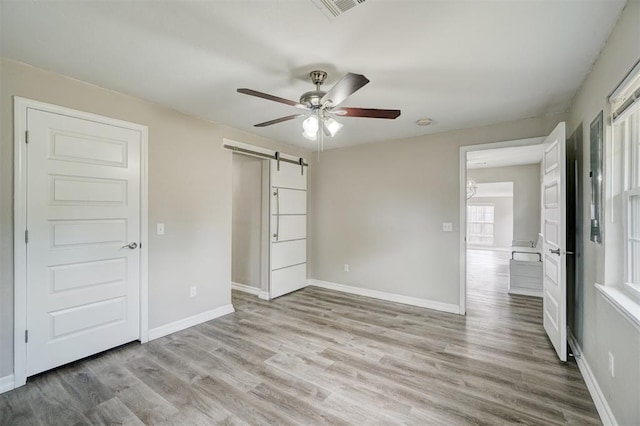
[
  {"x": 625, "y": 105},
  {"x": 628, "y": 130},
  {"x": 480, "y": 224}
]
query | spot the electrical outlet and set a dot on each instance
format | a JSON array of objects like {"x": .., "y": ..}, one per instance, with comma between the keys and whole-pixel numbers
[
  {"x": 193, "y": 291},
  {"x": 611, "y": 365},
  {"x": 346, "y": 267},
  {"x": 447, "y": 226},
  {"x": 160, "y": 229}
]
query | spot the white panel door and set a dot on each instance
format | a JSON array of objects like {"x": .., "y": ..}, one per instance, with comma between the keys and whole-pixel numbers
[
  {"x": 554, "y": 249},
  {"x": 288, "y": 259},
  {"x": 83, "y": 210}
]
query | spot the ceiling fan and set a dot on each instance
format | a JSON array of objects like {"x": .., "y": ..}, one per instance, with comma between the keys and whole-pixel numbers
[{"x": 321, "y": 107}]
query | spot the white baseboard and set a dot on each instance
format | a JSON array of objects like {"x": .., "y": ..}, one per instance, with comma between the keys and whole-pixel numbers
[
  {"x": 390, "y": 297},
  {"x": 7, "y": 383},
  {"x": 606, "y": 415},
  {"x": 264, "y": 295},
  {"x": 175, "y": 326},
  {"x": 525, "y": 292},
  {"x": 246, "y": 288}
]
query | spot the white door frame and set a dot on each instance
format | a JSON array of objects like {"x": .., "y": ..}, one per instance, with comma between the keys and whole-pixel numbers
[
  {"x": 463, "y": 203},
  {"x": 20, "y": 108}
]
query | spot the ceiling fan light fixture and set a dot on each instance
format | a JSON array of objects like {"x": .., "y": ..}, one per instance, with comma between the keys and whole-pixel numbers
[
  {"x": 320, "y": 106},
  {"x": 332, "y": 126},
  {"x": 311, "y": 125},
  {"x": 310, "y": 136}
]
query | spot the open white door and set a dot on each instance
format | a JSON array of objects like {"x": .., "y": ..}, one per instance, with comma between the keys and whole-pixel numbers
[
  {"x": 288, "y": 260},
  {"x": 554, "y": 248}
]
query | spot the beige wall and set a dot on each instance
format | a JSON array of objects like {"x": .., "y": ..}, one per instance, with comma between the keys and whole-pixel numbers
[
  {"x": 189, "y": 191},
  {"x": 246, "y": 253},
  {"x": 526, "y": 196},
  {"x": 502, "y": 219},
  {"x": 380, "y": 208},
  {"x": 602, "y": 329}
]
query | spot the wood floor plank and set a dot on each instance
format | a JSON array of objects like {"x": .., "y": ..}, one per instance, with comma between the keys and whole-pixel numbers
[
  {"x": 52, "y": 404},
  {"x": 318, "y": 356},
  {"x": 175, "y": 390},
  {"x": 112, "y": 412},
  {"x": 147, "y": 405},
  {"x": 16, "y": 410}
]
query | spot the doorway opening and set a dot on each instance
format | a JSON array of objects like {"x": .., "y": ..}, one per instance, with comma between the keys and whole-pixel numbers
[
  {"x": 250, "y": 225},
  {"x": 269, "y": 221},
  {"x": 501, "y": 205},
  {"x": 551, "y": 226}
]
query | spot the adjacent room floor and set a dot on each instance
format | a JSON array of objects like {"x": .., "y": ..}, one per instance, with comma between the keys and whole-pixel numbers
[{"x": 319, "y": 356}]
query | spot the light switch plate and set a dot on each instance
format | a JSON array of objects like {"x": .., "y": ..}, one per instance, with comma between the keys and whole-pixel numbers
[
  {"x": 447, "y": 226},
  {"x": 160, "y": 229}
]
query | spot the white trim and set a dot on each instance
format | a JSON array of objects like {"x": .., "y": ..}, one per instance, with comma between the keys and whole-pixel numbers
[
  {"x": 625, "y": 85},
  {"x": 462, "y": 303},
  {"x": 246, "y": 288},
  {"x": 602, "y": 406},
  {"x": 264, "y": 295},
  {"x": 525, "y": 292},
  {"x": 144, "y": 235},
  {"x": 20, "y": 108},
  {"x": 463, "y": 203},
  {"x": 390, "y": 297},
  {"x": 172, "y": 327},
  {"x": 7, "y": 383},
  {"x": 19, "y": 245},
  {"x": 625, "y": 305}
]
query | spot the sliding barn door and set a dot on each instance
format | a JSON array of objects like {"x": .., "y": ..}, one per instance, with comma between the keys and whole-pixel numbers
[{"x": 288, "y": 260}]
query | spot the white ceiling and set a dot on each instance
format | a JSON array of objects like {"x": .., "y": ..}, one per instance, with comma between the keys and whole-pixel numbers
[
  {"x": 461, "y": 63},
  {"x": 502, "y": 157}
]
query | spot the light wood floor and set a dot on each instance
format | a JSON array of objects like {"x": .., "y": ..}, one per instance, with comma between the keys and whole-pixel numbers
[{"x": 323, "y": 357}]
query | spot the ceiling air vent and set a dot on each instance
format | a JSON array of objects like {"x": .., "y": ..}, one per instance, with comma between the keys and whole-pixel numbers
[{"x": 334, "y": 8}]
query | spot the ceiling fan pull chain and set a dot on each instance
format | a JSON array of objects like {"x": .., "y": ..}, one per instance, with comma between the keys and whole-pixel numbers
[
  {"x": 301, "y": 162},
  {"x": 278, "y": 159}
]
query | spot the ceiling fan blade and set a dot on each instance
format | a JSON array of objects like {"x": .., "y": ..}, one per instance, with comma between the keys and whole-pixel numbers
[
  {"x": 344, "y": 88},
  {"x": 366, "y": 112},
  {"x": 271, "y": 97},
  {"x": 278, "y": 120}
]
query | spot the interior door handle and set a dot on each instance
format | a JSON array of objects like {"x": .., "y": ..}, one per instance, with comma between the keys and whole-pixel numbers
[
  {"x": 556, "y": 251},
  {"x": 131, "y": 246}
]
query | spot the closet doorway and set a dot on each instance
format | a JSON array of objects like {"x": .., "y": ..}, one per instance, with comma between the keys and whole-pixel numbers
[
  {"x": 269, "y": 221},
  {"x": 250, "y": 226}
]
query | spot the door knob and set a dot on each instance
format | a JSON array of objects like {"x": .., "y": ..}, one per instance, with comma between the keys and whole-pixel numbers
[
  {"x": 131, "y": 246},
  {"x": 556, "y": 251}
]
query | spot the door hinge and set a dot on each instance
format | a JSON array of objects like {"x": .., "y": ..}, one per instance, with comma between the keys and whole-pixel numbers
[
  {"x": 26, "y": 236},
  {"x": 26, "y": 136},
  {"x": 26, "y": 336}
]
